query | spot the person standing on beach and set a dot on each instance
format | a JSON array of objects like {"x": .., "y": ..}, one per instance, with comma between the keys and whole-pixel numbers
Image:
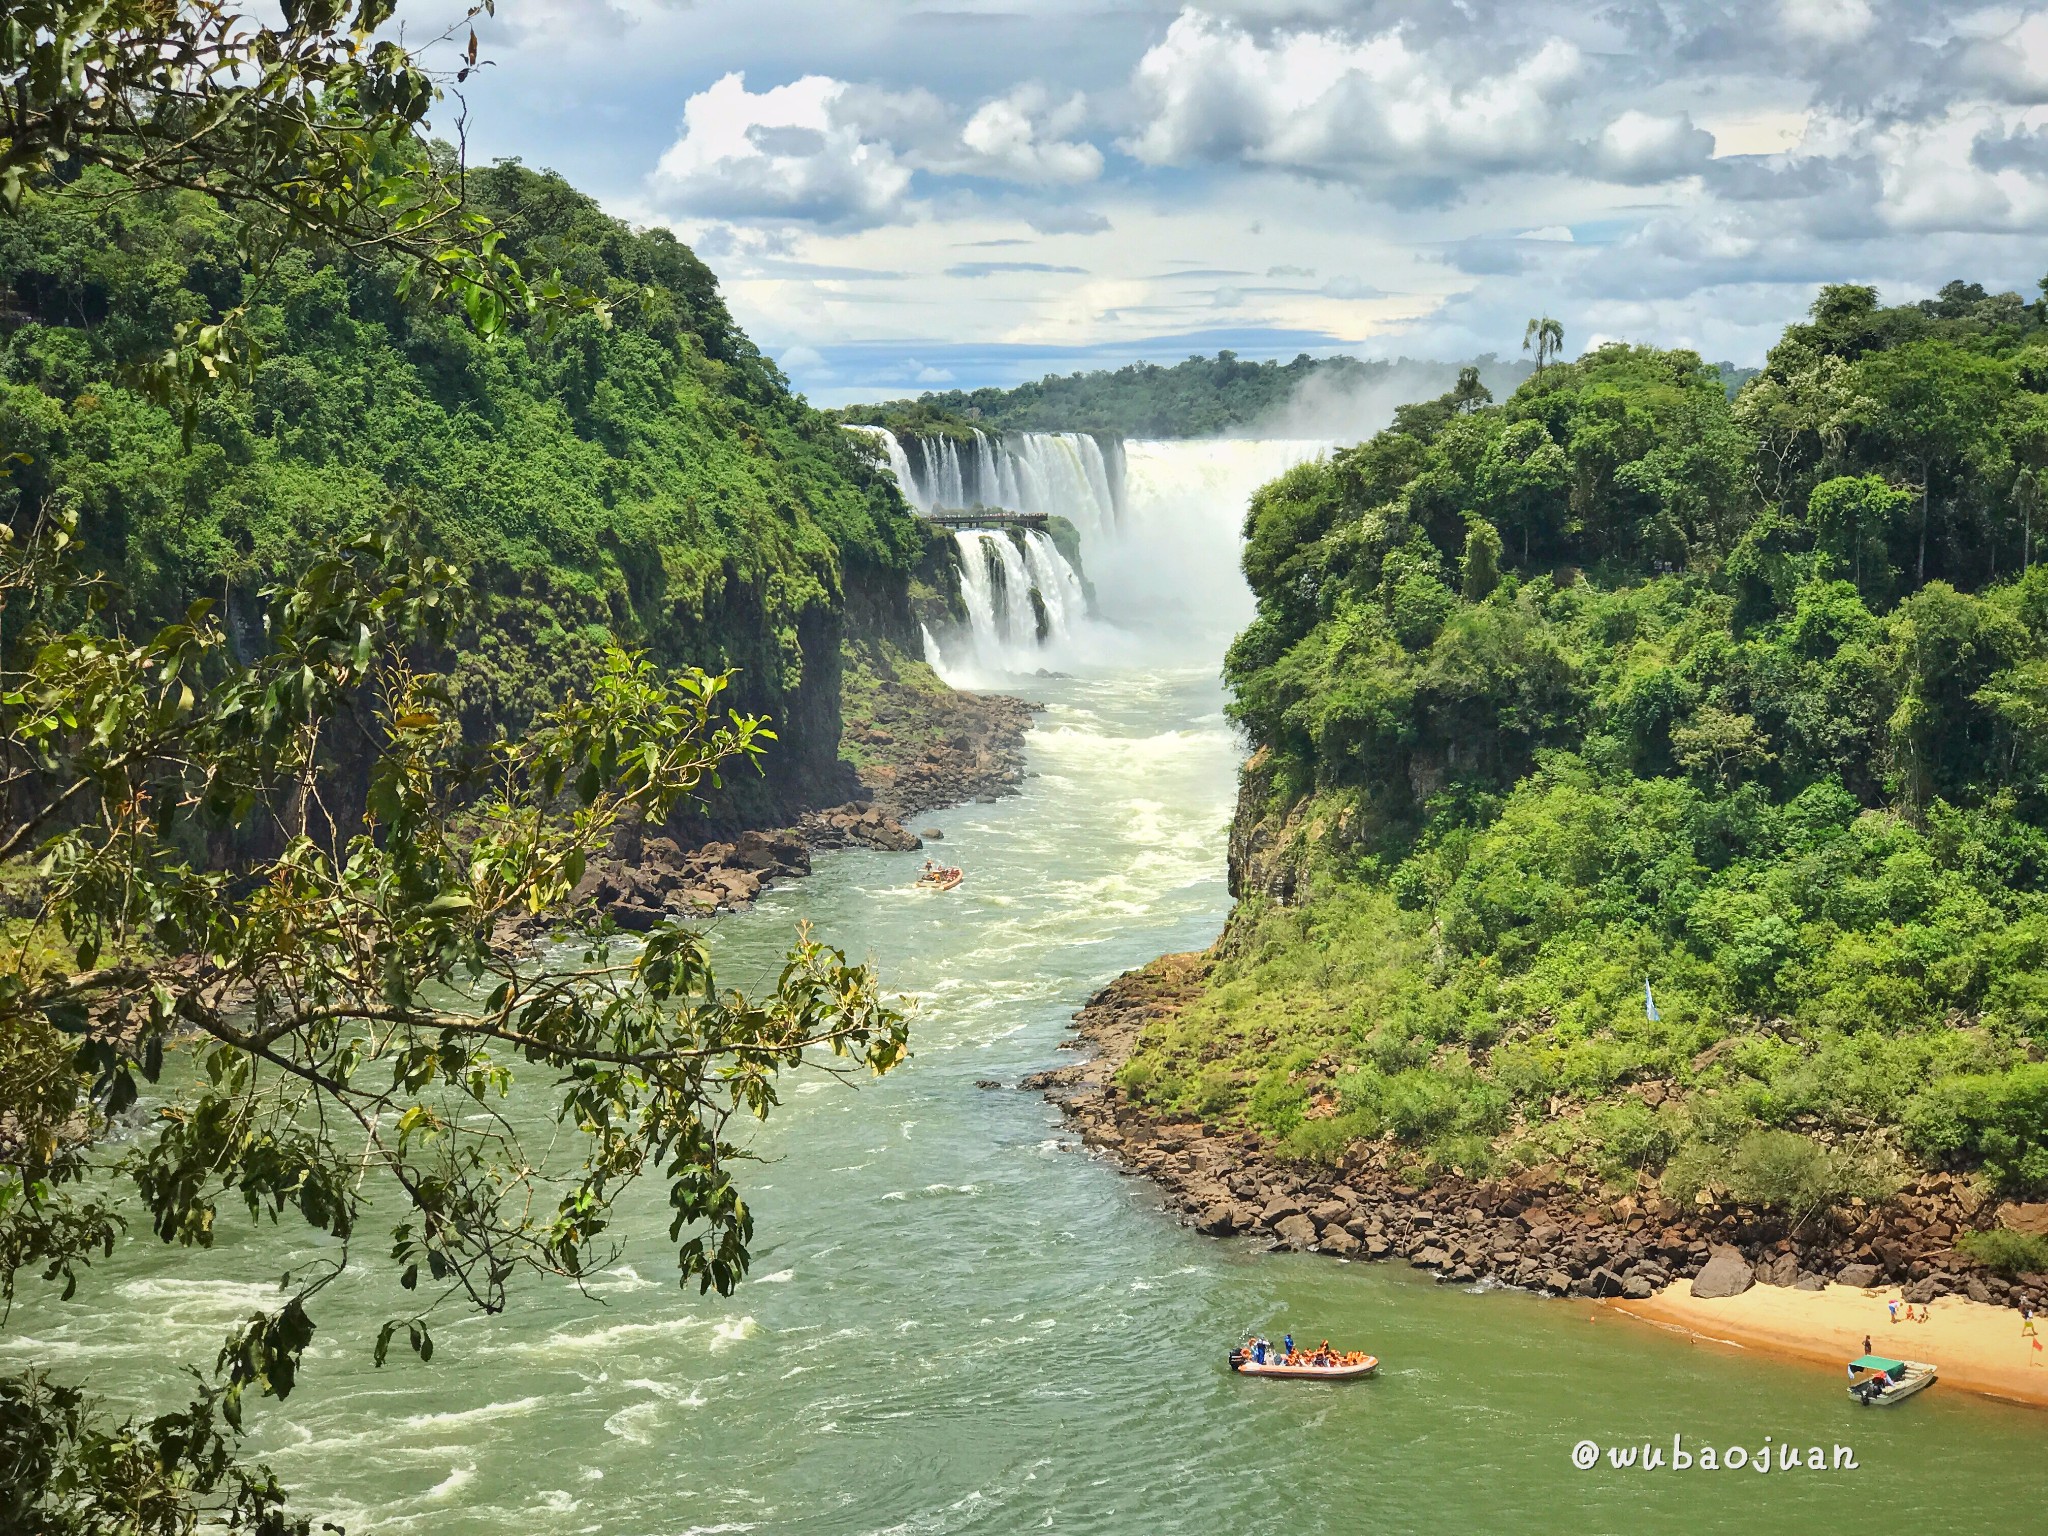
[{"x": 1866, "y": 1343}]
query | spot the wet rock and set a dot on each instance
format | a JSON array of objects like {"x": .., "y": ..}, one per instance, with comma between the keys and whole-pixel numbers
[
  {"x": 1555, "y": 1281},
  {"x": 1220, "y": 1220},
  {"x": 1726, "y": 1273},
  {"x": 1296, "y": 1231}
]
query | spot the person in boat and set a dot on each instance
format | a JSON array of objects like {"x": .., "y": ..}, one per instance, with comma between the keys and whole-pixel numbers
[{"x": 1288, "y": 1341}]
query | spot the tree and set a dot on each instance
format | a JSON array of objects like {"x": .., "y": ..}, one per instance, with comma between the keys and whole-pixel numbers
[
  {"x": 350, "y": 1004},
  {"x": 310, "y": 132},
  {"x": 1548, "y": 338},
  {"x": 341, "y": 980},
  {"x": 1935, "y": 407}
]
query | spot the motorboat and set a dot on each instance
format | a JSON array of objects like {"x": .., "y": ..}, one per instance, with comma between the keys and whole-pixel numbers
[
  {"x": 1877, "y": 1382},
  {"x": 937, "y": 877},
  {"x": 1347, "y": 1366}
]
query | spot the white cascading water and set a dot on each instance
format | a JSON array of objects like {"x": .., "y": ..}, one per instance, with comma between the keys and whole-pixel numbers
[{"x": 1161, "y": 526}]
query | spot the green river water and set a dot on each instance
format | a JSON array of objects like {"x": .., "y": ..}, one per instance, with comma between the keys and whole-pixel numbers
[{"x": 960, "y": 1321}]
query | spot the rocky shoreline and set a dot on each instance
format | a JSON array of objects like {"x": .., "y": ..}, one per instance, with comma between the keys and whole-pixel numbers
[
  {"x": 1529, "y": 1232},
  {"x": 921, "y": 751}
]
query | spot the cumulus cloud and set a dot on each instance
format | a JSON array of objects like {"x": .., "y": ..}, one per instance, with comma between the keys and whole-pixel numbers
[
  {"x": 1372, "y": 110},
  {"x": 778, "y": 155},
  {"x": 1639, "y": 148},
  {"x": 834, "y": 155}
]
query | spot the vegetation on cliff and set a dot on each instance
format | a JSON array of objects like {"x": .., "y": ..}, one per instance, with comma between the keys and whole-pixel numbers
[
  {"x": 1620, "y": 681},
  {"x": 639, "y": 475}
]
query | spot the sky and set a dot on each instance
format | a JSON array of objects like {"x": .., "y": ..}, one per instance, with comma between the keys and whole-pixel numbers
[{"x": 899, "y": 197}]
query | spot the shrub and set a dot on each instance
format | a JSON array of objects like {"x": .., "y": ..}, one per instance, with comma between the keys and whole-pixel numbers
[{"x": 2006, "y": 1251}]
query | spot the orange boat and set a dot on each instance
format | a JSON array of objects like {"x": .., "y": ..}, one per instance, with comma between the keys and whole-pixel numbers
[
  {"x": 1346, "y": 1366},
  {"x": 938, "y": 877}
]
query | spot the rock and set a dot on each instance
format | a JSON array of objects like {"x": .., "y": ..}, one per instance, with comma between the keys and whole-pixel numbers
[
  {"x": 1727, "y": 1273},
  {"x": 1463, "y": 1274},
  {"x": 1296, "y": 1231},
  {"x": 1556, "y": 1281},
  {"x": 1783, "y": 1270},
  {"x": 1605, "y": 1282},
  {"x": 986, "y": 1082},
  {"x": 1809, "y": 1281},
  {"x": 1636, "y": 1288},
  {"x": 931, "y": 834},
  {"x": 1218, "y": 1220},
  {"x": 1859, "y": 1276},
  {"x": 1377, "y": 1247},
  {"x": 1330, "y": 1212},
  {"x": 1976, "y": 1289},
  {"x": 1430, "y": 1257},
  {"x": 1277, "y": 1210},
  {"x": 2025, "y": 1218},
  {"x": 1336, "y": 1240},
  {"x": 1920, "y": 1292}
]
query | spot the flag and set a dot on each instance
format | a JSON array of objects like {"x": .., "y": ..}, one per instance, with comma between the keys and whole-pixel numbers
[{"x": 1650, "y": 1002}]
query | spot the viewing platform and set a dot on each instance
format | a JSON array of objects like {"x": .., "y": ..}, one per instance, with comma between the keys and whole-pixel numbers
[{"x": 991, "y": 519}]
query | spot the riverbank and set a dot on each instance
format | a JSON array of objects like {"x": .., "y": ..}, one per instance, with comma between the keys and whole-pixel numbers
[
  {"x": 909, "y": 745},
  {"x": 1532, "y": 1231},
  {"x": 1978, "y": 1348}
]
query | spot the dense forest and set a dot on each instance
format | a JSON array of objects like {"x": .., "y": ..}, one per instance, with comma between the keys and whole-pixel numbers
[
  {"x": 1201, "y": 397},
  {"x": 638, "y": 473},
  {"x": 1619, "y": 685}
]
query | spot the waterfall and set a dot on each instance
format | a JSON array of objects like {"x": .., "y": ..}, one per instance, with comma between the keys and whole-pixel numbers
[
  {"x": 1024, "y": 604},
  {"x": 1065, "y": 473},
  {"x": 1161, "y": 527}
]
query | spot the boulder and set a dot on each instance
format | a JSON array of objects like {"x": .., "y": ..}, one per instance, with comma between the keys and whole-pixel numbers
[
  {"x": 1218, "y": 1220},
  {"x": 2025, "y": 1218},
  {"x": 1430, "y": 1257},
  {"x": 1726, "y": 1273},
  {"x": 1920, "y": 1292},
  {"x": 1605, "y": 1282},
  {"x": 1377, "y": 1247},
  {"x": 1636, "y": 1288},
  {"x": 1860, "y": 1276},
  {"x": 1809, "y": 1281},
  {"x": 1330, "y": 1211},
  {"x": 1555, "y": 1280},
  {"x": 1783, "y": 1270},
  {"x": 1336, "y": 1240},
  {"x": 1277, "y": 1210},
  {"x": 1976, "y": 1289},
  {"x": 1296, "y": 1231}
]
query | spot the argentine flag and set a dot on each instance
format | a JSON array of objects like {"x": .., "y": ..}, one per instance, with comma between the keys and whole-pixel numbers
[{"x": 1650, "y": 1002}]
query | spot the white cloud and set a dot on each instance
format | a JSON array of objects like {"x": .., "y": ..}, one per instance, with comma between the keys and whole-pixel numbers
[
  {"x": 1638, "y": 148},
  {"x": 1371, "y": 110},
  {"x": 1018, "y": 137},
  {"x": 1828, "y": 22},
  {"x": 778, "y": 155},
  {"x": 826, "y": 153}
]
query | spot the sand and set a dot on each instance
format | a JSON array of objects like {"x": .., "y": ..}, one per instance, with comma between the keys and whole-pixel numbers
[{"x": 1978, "y": 1348}]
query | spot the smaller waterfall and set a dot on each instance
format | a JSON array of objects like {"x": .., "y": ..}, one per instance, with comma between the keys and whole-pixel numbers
[{"x": 1024, "y": 601}]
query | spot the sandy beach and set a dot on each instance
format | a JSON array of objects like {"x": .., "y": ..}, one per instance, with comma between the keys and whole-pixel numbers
[{"x": 1978, "y": 1348}]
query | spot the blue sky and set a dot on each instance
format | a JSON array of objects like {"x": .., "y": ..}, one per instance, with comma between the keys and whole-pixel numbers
[{"x": 900, "y": 196}]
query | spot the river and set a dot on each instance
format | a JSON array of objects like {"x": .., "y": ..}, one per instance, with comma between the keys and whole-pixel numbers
[{"x": 960, "y": 1321}]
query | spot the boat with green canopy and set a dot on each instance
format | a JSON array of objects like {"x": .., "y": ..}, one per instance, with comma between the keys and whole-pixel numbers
[{"x": 1877, "y": 1382}]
